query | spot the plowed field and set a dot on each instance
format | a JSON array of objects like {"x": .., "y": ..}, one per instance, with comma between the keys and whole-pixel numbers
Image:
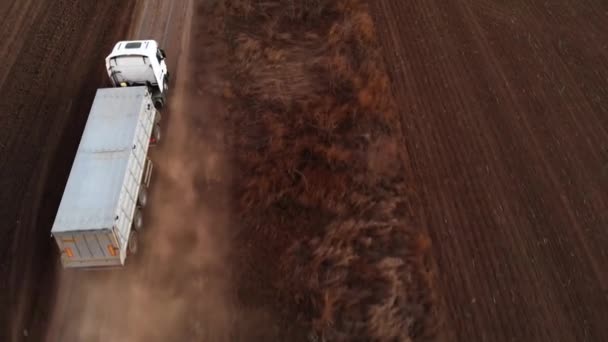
[
  {"x": 505, "y": 106},
  {"x": 50, "y": 69}
]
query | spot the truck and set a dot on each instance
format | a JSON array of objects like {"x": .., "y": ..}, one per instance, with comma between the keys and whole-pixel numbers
[{"x": 100, "y": 213}]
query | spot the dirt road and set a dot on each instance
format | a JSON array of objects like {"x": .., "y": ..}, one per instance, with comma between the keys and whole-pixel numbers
[
  {"x": 177, "y": 288},
  {"x": 54, "y": 68},
  {"x": 505, "y": 105}
]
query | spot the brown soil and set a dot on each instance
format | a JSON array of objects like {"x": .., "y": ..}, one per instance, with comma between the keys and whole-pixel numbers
[
  {"x": 47, "y": 84},
  {"x": 500, "y": 123},
  {"x": 505, "y": 106}
]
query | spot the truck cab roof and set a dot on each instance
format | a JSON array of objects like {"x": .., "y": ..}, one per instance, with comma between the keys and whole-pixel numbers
[
  {"x": 138, "y": 62},
  {"x": 134, "y": 47}
]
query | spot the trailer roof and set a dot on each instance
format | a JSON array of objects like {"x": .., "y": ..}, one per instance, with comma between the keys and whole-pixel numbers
[{"x": 91, "y": 194}]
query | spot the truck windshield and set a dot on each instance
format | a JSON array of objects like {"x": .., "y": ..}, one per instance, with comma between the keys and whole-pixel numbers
[{"x": 129, "y": 61}]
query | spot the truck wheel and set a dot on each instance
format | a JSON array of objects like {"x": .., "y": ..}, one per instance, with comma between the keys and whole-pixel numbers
[
  {"x": 159, "y": 103},
  {"x": 138, "y": 220},
  {"x": 142, "y": 197},
  {"x": 132, "y": 243}
]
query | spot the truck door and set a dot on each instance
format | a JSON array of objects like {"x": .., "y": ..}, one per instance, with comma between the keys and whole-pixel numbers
[
  {"x": 87, "y": 247},
  {"x": 68, "y": 248}
]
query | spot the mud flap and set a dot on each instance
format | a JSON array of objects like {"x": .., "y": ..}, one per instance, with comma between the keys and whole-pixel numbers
[{"x": 147, "y": 173}]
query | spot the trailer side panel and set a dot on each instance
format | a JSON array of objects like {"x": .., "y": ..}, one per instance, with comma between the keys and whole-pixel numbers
[{"x": 103, "y": 186}]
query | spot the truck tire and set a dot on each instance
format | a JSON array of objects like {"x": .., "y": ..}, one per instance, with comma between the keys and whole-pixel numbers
[
  {"x": 142, "y": 197},
  {"x": 138, "y": 220},
  {"x": 132, "y": 244},
  {"x": 159, "y": 102}
]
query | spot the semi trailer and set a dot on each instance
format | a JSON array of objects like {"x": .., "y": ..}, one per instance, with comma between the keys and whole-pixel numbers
[{"x": 100, "y": 212}]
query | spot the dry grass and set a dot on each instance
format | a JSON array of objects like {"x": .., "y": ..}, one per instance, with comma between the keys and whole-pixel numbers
[{"x": 327, "y": 212}]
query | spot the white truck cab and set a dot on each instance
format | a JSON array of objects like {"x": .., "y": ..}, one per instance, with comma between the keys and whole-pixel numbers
[{"x": 137, "y": 63}]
